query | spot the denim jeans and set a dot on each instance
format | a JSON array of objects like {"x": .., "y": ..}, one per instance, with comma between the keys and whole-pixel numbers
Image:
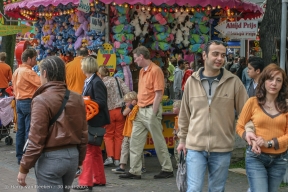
[
  {"x": 265, "y": 172},
  {"x": 217, "y": 164},
  {"x": 23, "y": 108}
]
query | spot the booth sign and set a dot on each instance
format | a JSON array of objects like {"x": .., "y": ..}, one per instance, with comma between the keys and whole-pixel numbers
[{"x": 106, "y": 56}]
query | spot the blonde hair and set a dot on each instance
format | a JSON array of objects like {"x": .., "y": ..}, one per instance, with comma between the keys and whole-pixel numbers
[
  {"x": 130, "y": 96},
  {"x": 177, "y": 104},
  {"x": 104, "y": 71},
  {"x": 89, "y": 65}
]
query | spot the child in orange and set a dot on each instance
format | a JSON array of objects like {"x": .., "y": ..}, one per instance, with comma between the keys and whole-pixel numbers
[
  {"x": 130, "y": 112},
  {"x": 176, "y": 109}
]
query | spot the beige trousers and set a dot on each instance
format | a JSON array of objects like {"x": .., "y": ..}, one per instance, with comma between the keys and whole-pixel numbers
[
  {"x": 125, "y": 151},
  {"x": 146, "y": 121}
]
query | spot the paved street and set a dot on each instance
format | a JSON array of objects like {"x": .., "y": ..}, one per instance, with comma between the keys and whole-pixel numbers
[{"x": 9, "y": 170}]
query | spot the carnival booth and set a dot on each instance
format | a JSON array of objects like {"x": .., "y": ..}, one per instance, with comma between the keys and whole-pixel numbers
[{"x": 165, "y": 27}]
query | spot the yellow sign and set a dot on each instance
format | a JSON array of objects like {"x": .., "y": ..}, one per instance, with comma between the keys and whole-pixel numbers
[
  {"x": 107, "y": 57},
  {"x": 13, "y": 29},
  {"x": 168, "y": 122}
]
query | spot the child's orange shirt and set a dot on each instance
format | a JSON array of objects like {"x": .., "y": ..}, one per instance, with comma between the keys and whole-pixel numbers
[{"x": 129, "y": 121}]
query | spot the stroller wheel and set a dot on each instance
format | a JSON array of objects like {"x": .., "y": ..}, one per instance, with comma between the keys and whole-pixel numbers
[{"x": 8, "y": 140}]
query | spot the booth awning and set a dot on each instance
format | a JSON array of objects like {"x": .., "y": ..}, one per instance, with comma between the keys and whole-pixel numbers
[{"x": 251, "y": 10}]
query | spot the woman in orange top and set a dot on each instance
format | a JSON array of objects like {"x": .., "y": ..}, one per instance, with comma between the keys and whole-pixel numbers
[{"x": 266, "y": 159}]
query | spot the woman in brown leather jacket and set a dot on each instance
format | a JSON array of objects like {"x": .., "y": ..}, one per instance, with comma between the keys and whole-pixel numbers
[{"x": 56, "y": 150}]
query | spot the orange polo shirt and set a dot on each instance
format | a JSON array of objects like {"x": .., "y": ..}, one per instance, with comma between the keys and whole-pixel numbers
[
  {"x": 5, "y": 75},
  {"x": 25, "y": 82},
  {"x": 74, "y": 75},
  {"x": 150, "y": 81}
]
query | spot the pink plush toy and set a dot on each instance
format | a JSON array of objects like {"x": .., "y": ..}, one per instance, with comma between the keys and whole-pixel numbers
[{"x": 159, "y": 17}]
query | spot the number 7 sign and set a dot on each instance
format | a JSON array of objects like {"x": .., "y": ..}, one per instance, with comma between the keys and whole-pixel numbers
[{"x": 108, "y": 59}]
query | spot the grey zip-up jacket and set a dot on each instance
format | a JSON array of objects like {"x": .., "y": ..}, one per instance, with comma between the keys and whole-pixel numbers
[{"x": 210, "y": 127}]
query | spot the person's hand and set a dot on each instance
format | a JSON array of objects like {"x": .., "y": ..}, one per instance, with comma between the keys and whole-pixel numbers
[
  {"x": 21, "y": 179},
  {"x": 175, "y": 137},
  {"x": 255, "y": 148},
  {"x": 260, "y": 142},
  {"x": 250, "y": 136},
  {"x": 77, "y": 175},
  {"x": 180, "y": 147},
  {"x": 134, "y": 102}
]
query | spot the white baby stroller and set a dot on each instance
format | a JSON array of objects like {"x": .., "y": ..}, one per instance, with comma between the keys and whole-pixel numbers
[{"x": 6, "y": 118}]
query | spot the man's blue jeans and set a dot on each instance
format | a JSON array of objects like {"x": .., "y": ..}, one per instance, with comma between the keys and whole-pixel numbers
[
  {"x": 217, "y": 164},
  {"x": 265, "y": 172},
  {"x": 23, "y": 108}
]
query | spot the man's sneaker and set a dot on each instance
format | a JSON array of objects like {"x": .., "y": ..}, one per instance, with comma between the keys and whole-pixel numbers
[
  {"x": 129, "y": 176},
  {"x": 143, "y": 170},
  {"x": 118, "y": 170},
  {"x": 108, "y": 161},
  {"x": 116, "y": 163},
  {"x": 164, "y": 175}
]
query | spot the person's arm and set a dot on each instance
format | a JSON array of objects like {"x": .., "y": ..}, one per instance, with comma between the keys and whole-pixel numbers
[
  {"x": 33, "y": 78},
  {"x": 244, "y": 117},
  {"x": 250, "y": 132},
  {"x": 277, "y": 142},
  {"x": 84, "y": 135},
  {"x": 127, "y": 110},
  {"x": 157, "y": 101},
  {"x": 10, "y": 75},
  {"x": 184, "y": 117},
  {"x": 37, "y": 134}
]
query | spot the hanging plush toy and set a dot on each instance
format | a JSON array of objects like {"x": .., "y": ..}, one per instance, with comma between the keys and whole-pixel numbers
[{"x": 135, "y": 23}]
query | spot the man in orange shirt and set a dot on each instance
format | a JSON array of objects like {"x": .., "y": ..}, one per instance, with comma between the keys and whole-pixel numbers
[
  {"x": 25, "y": 83},
  {"x": 5, "y": 74},
  {"x": 74, "y": 75},
  {"x": 150, "y": 91}
]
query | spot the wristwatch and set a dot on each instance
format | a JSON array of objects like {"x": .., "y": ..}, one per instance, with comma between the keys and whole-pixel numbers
[{"x": 269, "y": 144}]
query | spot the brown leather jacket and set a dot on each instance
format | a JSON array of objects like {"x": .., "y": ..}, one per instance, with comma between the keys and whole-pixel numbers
[{"x": 69, "y": 130}]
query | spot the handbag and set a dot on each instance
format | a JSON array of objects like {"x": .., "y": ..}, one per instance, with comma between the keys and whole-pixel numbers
[
  {"x": 95, "y": 135},
  {"x": 123, "y": 106},
  {"x": 181, "y": 177}
]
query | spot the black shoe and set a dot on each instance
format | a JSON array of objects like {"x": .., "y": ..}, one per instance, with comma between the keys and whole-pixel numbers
[
  {"x": 164, "y": 175},
  {"x": 129, "y": 176},
  {"x": 98, "y": 185},
  {"x": 79, "y": 187}
]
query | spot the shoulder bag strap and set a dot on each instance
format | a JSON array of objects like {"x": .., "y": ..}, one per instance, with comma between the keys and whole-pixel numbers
[
  {"x": 66, "y": 97},
  {"x": 119, "y": 88}
]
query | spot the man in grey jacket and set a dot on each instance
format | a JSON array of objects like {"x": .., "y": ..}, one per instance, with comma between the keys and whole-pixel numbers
[
  {"x": 178, "y": 76},
  {"x": 206, "y": 119}
]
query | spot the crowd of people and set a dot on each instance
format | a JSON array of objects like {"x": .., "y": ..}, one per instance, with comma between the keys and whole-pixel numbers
[{"x": 52, "y": 131}]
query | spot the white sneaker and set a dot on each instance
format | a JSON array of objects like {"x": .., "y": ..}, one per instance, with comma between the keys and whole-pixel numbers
[
  {"x": 108, "y": 161},
  {"x": 116, "y": 163}
]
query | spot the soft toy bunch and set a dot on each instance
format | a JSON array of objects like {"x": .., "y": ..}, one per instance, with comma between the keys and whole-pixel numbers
[
  {"x": 199, "y": 34},
  {"x": 140, "y": 21},
  {"x": 181, "y": 28},
  {"x": 162, "y": 35},
  {"x": 122, "y": 41}
]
